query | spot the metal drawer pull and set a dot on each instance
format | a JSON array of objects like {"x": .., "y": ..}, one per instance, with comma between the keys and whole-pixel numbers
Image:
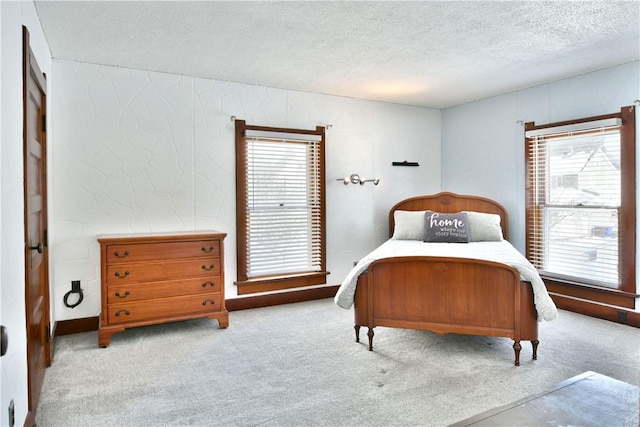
[
  {"x": 125, "y": 254},
  {"x": 210, "y": 301},
  {"x": 209, "y": 249},
  {"x": 204, "y": 285},
  {"x": 122, "y": 276},
  {"x": 211, "y": 267},
  {"x": 126, "y": 312},
  {"x": 126, "y": 293}
]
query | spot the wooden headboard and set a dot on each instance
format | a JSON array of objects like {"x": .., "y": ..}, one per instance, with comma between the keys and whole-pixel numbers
[{"x": 450, "y": 203}]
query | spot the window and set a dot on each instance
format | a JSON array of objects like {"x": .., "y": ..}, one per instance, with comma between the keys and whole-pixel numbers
[
  {"x": 581, "y": 201},
  {"x": 280, "y": 208}
]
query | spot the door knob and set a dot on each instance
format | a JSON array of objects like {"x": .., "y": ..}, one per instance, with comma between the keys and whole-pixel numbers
[{"x": 38, "y": 248}]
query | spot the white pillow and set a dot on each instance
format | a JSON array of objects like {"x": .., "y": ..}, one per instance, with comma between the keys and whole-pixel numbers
[
  {"x": 409, "y": 225},
  {"x": 484, "y": 227}
]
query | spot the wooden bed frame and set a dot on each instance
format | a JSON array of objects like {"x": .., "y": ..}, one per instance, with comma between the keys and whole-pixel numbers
[{"x": 444, "y": 294}]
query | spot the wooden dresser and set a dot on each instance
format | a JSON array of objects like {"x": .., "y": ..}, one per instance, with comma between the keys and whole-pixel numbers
[{"x": 151, "y": 278}]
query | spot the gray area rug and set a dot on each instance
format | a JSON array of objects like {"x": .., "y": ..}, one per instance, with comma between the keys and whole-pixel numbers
[{"x": 299, "y": 365}]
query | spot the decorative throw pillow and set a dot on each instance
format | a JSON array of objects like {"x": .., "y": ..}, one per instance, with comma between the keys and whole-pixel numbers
[
  {"x": 484, "y": 227},
  {"x": 443, "y": 227},
  {"x": 408, "y": 225}
]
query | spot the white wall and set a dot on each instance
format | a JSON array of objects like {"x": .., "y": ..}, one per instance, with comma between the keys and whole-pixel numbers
[
  {"x": 483, "y": 145},
  {"x": 13, "y": 366},
  {"x": 137, "y": 151}
]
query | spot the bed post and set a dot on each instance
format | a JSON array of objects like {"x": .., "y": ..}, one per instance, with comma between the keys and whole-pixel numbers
[
  {"x": 361, "y": 304},
  {"x": 516, "y": 348}
]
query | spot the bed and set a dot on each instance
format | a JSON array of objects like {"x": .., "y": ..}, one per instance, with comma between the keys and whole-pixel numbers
[{"x": 483, "y": 287}]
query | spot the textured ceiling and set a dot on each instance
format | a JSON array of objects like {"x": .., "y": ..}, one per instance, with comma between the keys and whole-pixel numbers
[{"x": 426, "y": 53}]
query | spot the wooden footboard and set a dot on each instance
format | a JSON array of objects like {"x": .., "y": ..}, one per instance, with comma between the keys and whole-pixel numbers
[{"x": 447, "y": 295}]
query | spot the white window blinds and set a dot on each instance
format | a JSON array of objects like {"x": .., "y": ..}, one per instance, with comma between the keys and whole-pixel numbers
[
  {"x": 283, "y": 204},
  {"x": 575, "y": 200}
]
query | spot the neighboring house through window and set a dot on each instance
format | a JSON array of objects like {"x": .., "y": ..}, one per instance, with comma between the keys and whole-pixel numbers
[
  {"x": 280, "y": 198},
  {"x": 581, "y": 206}
]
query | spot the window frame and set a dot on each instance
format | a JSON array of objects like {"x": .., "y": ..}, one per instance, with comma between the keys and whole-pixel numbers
[
  {"x": 273, "y": 282},
  {"x": 625, "y": 294}
]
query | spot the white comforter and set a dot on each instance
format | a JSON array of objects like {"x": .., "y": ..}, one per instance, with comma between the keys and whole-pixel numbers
[{"x": 502, "y": 252}]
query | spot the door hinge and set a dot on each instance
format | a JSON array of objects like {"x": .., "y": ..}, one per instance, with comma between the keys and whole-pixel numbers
[
  {"x": 48, "y": 332},
  {"x": 44, "y": 123}
]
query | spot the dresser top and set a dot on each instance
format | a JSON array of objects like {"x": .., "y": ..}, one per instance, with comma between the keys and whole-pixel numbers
[{"x": 162, "y": 235}]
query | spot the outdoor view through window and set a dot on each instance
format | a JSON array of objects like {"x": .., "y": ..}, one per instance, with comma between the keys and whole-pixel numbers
[{"x": 580, "y": 216}]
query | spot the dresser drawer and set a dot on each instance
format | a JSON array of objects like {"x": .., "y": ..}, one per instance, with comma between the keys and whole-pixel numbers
[
  {"x": 187, "y": 306},
  {"x": 118, "y": 274},
  {"x": 117, "y": 294},
  {"x": 118, "y": 253}
]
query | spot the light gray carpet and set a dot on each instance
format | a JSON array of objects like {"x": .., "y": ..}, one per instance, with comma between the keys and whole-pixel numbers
[{"x": 298, "y": 364}]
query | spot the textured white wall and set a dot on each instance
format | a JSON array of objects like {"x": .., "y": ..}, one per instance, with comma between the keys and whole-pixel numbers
[
  {"x": 137, "y": 151},
  {"x": 13, "y": 365},
  {"x": 483, "y": 145}
]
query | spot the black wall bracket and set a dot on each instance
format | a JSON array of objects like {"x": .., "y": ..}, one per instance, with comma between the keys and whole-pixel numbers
[
  {"x": 404, "y": 163},
  {"x": 4, "y": 340}
]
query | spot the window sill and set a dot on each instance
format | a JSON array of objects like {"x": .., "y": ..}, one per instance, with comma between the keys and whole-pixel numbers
[
  {"x": 276, "y": 283},
  {"x": 590, "y": 292}
]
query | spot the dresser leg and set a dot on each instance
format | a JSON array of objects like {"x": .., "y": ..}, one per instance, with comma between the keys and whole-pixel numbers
[
  {"x": 104, "y": 336},
  {"x": 106, "y": 332},
  {"x": 223, "y": 320}
]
